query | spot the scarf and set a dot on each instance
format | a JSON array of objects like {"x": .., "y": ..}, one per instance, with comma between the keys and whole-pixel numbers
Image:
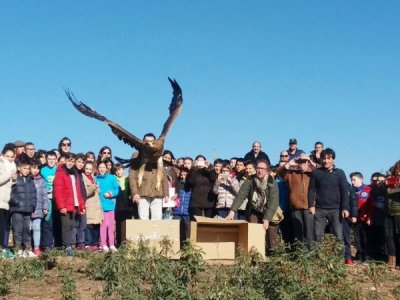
[{"x": 259, "y": 196}]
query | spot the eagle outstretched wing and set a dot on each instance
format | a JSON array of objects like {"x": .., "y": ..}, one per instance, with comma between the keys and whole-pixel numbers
[
  {"x": 174, "y": 108},
  {"x": 120, "y": 132}
]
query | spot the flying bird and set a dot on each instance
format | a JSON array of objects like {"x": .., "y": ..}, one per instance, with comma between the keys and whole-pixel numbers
[{"x": 149, "y": 152}]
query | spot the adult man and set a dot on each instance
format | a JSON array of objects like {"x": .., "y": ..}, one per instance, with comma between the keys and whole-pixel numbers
[
  {"x": 328, "y": 196},
  {"x": 148, "y": 197},
  {"x": 256, "y": 154},
  {"x": 19, "y": 148},
  {"x": 296, "y": 174},
  {"x": 293, "y": 151},
  {"x": 283, "y": 158},
  {"x": 263, "y": 194},
  {"x": 316, "y": 154}
]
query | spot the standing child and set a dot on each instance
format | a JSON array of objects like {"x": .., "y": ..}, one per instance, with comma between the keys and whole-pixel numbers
[
  {"x": 22, "y": 205},
  {"x": 124, "y": 206},
  {"x": 41, "y": 205},
  {"x": 181, "y": 212},
  {"x": 109, "y": 189},
  {"x": 69, "y": 199},
  {"x": 226, "y": 187},
  {"x": 94, "y": 213},
  {"x": 48, "y": 173}
]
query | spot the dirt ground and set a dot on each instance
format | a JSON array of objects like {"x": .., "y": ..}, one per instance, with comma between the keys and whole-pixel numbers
[{"x": 49, "y": 287}]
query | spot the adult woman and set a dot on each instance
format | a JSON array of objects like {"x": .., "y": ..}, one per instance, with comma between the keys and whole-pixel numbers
[
  {"x": 200, "y": 182},
  {"x": 8, "y": 177},
  {"x": 64, "y": 146},
  {"x": 392, "y": 220},
  {"x": 105, "y": 152}
]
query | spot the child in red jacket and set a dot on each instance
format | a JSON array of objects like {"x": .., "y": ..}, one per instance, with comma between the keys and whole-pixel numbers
[{"x": 69, "y": 199}]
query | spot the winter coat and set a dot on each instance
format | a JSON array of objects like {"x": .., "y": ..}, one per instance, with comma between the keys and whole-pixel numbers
[
  {"x": 149, "y": 181},
  {"x": 94, "y": 212},
  {"x": 261, "y": 155},
  {"x": 23, "y": 195},
  {"x": 200, "y": 182},
  {"x": 298, "y": 183},
  {"x": 184, "y": 199},
  {"x": 41, "y": 195},
  {"x": 63, "y": 191},
  {"x": 7, "y": 168},
  {"x": 246, "y": 191},
  {"x": 108, "y": 183},
  {"x": 226, "y": 191}
]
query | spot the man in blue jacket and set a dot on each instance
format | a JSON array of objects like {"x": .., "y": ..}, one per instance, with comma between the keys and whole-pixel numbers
[{"x": 328, "y": 196}]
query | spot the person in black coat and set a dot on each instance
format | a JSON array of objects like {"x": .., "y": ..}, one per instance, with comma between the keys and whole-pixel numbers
[{"x": 256, "y": 154}]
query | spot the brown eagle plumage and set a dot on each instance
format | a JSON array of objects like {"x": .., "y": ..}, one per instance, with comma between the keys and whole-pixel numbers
[{"x": 148, "y": 152}]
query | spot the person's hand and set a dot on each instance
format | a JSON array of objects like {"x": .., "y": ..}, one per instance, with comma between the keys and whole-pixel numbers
[
  {"x": 174, "y": 197},
  {"x": 14, "y": 176},
  {"x": 230, "y": 216},
  {"x": 345, "y": 214},
  {"x": 353, "y": 220},
  {"x": 266, "y": 224},
  {"x": 83, "y": 211},
  {"x": 63, "y": 211},
  {"x": 136, "y": 198},
  {"x": 44, "y": 211},
  {"x": 368, "y": 222},
  {"x": 311, "y": 210}
]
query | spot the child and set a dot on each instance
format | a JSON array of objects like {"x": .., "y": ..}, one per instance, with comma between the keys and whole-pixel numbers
[
  {"x": 41, "y": 206},
  {"x": 78, "y": 235},
  {"x": 181, "y": 212},
  {"x": 109, "y": 189},
  {"x": 69, "y": 199},
  {"x": 94, "y": 213},
  {"x": 226, "y": 187},
  {"x": 8, "y": 176},
  {"x": 22, "y": 205},
  {"x": 48, "y": 173},
  {"x": 123, "y": 207}
]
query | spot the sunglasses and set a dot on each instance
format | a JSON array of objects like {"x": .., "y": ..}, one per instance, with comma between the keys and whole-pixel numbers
[
  {"x": 105, "y": 152},
  {"x": 284, "y": 155},
  {"x": 66, "y": 144}
]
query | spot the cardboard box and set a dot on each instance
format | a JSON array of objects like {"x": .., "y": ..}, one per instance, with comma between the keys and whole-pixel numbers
[
  {"x": 152, "y": 231},
  {"x": 221, "y": 239}
]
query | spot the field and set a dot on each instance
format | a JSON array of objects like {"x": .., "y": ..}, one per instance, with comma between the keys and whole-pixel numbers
[{"x": 140, "y": 273}]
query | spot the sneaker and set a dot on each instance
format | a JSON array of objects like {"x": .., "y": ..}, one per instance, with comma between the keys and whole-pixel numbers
[
  {"x": 94, "y": 248},
  {"x": 70, "y": 251},
  {"x": 20, "y": 253},
  {"x": 105, "y": 249},
  {"x": 348, "y": 262},
  {"x": 37, "y": 251},
  {"x": 113, "y": 249},
  {"x": 29, "y": 253},
  {"x": 6, "y": 253}
]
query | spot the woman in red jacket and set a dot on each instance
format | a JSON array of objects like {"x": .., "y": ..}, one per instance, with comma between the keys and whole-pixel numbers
[{"x": 69, "y": 199}]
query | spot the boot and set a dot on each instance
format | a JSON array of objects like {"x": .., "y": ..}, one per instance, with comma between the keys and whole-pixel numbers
[{"x": 392, "y": 262}]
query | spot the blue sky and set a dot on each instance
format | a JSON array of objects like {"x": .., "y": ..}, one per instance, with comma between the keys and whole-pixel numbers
[{"x": 249, "y": 70}]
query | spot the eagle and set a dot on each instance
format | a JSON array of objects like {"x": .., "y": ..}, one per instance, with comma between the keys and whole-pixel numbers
[{"x": 149, "y": 152}]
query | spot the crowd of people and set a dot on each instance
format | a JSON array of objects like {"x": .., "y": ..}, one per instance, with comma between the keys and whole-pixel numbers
[{"x": 56, "y": 198}]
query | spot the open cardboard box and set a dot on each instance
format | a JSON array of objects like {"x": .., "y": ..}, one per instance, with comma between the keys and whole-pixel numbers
[
  {"x": 221, "y": 239},
  {"x": 153, "y": 231}
]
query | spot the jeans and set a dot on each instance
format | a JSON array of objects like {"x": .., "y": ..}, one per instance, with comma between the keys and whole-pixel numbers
[
  {"x": 21, "y": 224},
  {"x": 92, "y": 234},
  {"x": 361, "y": 240},
  {"x": 78, "y": 232},
  {"x": 150, "y": 205},
  {"x": 332, "y": 216},
  {"x": 347, "y": 238},
  {"x": 303, "y": 226},
  {"x": 3, "y": 223},
  {"x": 107, "y": 228},
  {"x": 184, "y": 225},
  {"x": 35, "y": 225},
  {"x": 47, "y": 239}
]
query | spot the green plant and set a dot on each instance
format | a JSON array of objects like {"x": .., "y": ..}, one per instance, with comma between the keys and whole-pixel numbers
[
  {"x": 68, "y": 288},
  {"x": 5, "y": 276}
]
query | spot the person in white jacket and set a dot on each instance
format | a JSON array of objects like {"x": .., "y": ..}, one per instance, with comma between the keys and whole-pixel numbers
[
  {"x": 8, "y": 176},
  {"x": 226, "y": 187}
]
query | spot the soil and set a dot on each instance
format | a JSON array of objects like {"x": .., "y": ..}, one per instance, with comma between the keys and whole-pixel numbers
[{"x": 49, "y": 287}]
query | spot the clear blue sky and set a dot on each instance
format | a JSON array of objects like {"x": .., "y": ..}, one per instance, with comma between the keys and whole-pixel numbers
[{"x": 249, "y": 70}]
